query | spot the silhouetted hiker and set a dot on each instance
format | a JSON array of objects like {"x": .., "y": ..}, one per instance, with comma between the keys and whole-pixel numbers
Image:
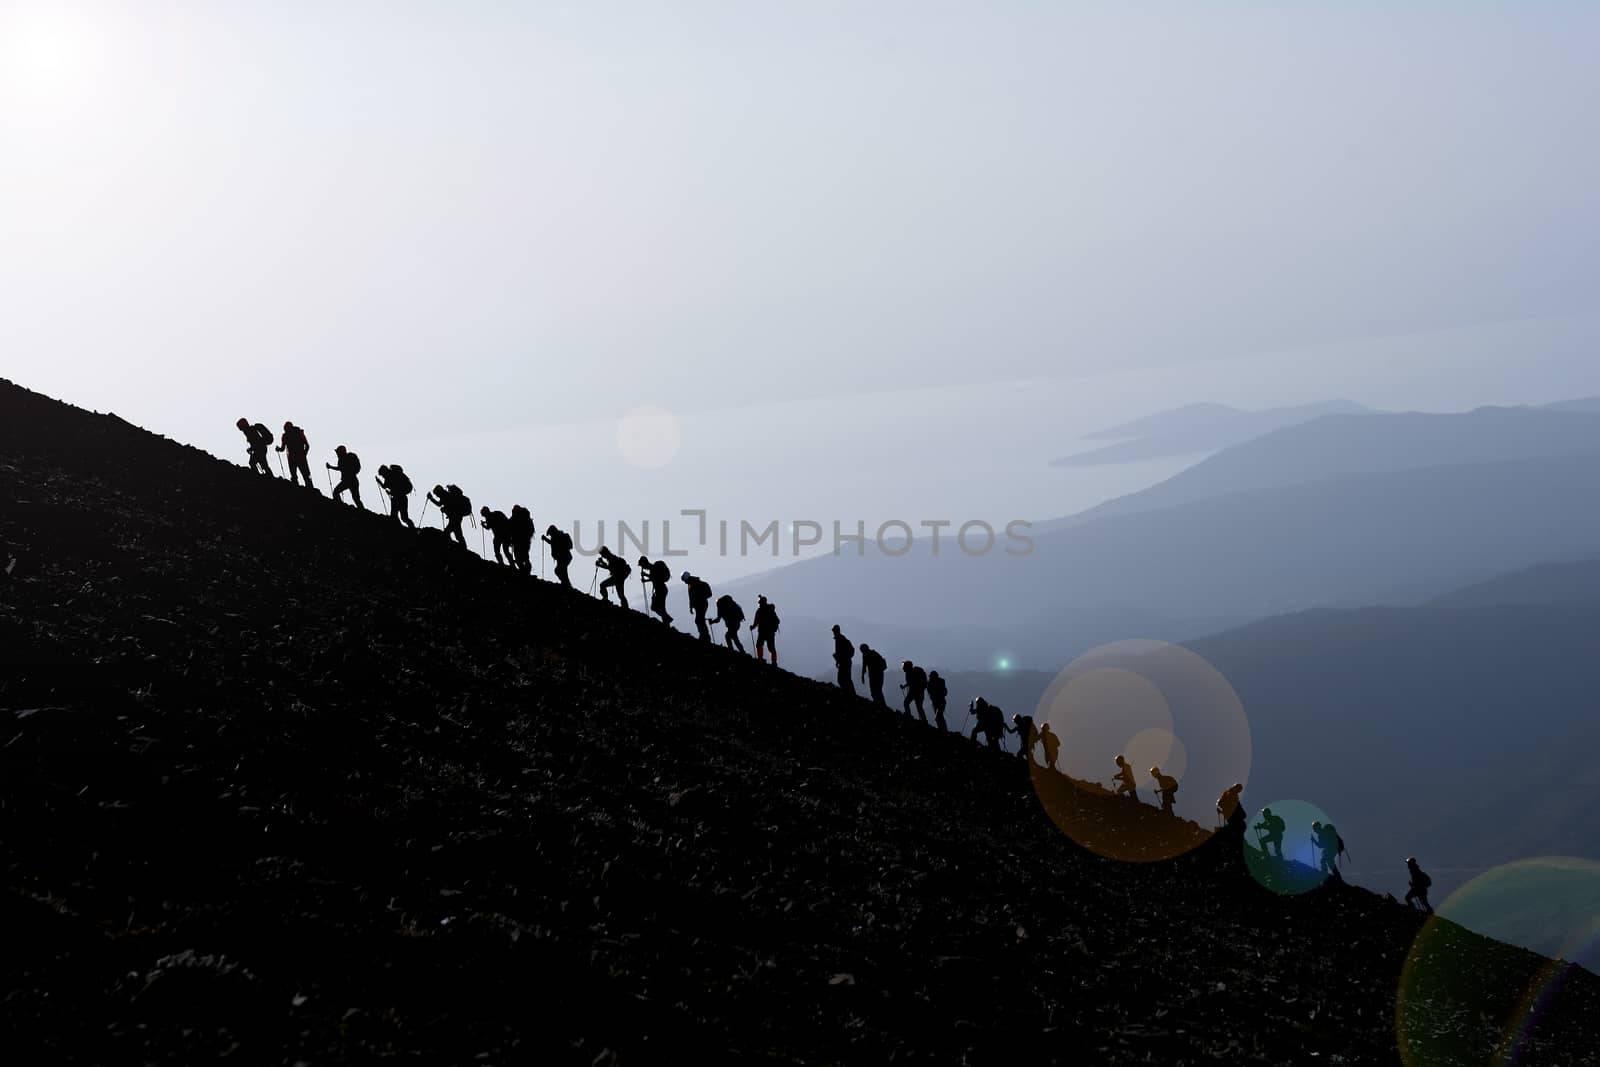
[
  {"x": 1052, "y": 745},
  {"x": 1166, "y": 789},
  {"x": 699, "y": 603},
  {"x": 617, "y": 571},
  {"x": 938, "y": 692},
  {"x": 1417, "y": 894},
  {"x": 730, "y": 613},
  {"x": 521, "y": 531},
  {"x": 498, "y": 523},
  {"x": 657, "y": 575},
  {"x": 294, "y": 444},
  {"x": 914, "y": 687},
  {"x": 257, "y": 440},
  {"x": 349, "y": 468},
  {"x": 1027, "y": 736},
  {"x": 394, "y": 482},
  {"x": 765, "y": 623},
  {"x": 1230, "y": 806},
  {"x": 560, "y": 543},
  {"x": 990, "y": 722},
  {"x": 1125, "y": 780},
  {"x": 873, "y": 666},
  {"x": 1329, "y": 846},
  {"x": 454, "y": 506},
  {"x": 1269, "y": 832},
  {"x": 843, "y": 653}
]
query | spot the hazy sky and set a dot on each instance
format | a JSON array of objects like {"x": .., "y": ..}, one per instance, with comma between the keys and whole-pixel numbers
[{"x": 872, "y": 256}]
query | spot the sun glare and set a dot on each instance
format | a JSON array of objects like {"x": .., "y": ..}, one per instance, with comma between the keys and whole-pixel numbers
[{"x": 44, "y": 53}]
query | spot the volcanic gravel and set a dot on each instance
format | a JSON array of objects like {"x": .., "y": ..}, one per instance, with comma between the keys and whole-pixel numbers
[{"x": 283, "y": 783}]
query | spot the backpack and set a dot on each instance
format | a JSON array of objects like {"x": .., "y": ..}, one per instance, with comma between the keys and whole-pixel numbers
[
  {"x": 620, "y": 568},
  {"x": 937, "y": 688},
  {"x": 295, "y": 440},
  {"x": 355, "y": 462},
  {"x": 398, "y": 483},
  {"x": 455, "y": 502},
  {"x": 1422, "y": 881},
  {"x": 660, "y": 574},
  {"x": 729, "y": 611},
  {"x": 700, "y": 591},
  {"x": 260, "y": 436},
  {"x": 919, "y": 678}
]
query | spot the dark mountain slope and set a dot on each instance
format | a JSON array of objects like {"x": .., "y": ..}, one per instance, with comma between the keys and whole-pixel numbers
[
  {"x": 283, "y": 782},
  {"x": 1464, "y": 733}
]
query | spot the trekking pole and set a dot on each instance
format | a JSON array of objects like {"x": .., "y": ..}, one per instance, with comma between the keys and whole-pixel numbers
[
  {"x": 281, "y": 472},
  {"x": 329, "y": 476},
  {"x": 426, "y": 500},
  {"x": 593, "y": 578},
  {"x": 541, "y": 558}
]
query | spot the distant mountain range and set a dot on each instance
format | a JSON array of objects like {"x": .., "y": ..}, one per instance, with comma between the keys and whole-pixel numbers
[
  {"x": 1344, "y": 511},
  {"x": 1463, "y": 730},
  {"x": 1197, "y": 428}
]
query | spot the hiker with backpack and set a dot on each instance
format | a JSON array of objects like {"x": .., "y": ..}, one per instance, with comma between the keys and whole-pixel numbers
[
  {"x": 1051, "y": 743},
  {"x": 765, "y": 624},
  {"x": 393, "y": 481},
  {"x": 454, "y": 506},
  {"x": 349, "y": 468},
  {"x": 1126, "y": 783},
  {"x": 560, "y": 543},
  {"x": 297, "y": 447},
  {"x": 1417, "y": 893},
  {"x": 499, "y": 526},
  {"x": 1027, "y": 736},
  {"x": 1269, "y": 833},
  {"x": 617, "y": 571},
  {"x": 938, "y": 692},
  {"x": 914, "y": 687},
  {"x": 658, "y": 575},
  {"x": 990, "y": 722},
  {"x": 732, "y": 615},
  {"x": 1166, "y": 789},
  {"x": 873, "y": 666},
  {"x": 1330, "y": 846},
  {"x": 843, "y": 653},
  {"x": 1230, "y": 807},
  {"x": 521, "y": 532},
  {"x": 257, "y": 440},
  {"x": 699, "y": 603}
]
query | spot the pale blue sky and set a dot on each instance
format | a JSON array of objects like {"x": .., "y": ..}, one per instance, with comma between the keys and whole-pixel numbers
[{"x": 853, "y": 226}]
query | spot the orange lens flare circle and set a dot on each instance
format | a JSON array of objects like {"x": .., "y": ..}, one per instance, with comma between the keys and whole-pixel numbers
[{"x": 1158, "y": 705}]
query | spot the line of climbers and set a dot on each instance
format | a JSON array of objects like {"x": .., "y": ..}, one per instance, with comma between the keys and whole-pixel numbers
[{"x": 512, "y": 542}]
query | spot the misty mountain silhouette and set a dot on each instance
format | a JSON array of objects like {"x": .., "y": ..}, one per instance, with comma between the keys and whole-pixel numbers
[
  {"x": 1342, "y": 511},
  {"x": 287, "y": 782},
  {"x": 1196, "y": 428},
  {"x": 1337, "y": 446}
]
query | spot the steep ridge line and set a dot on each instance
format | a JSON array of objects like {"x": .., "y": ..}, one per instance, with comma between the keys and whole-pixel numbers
[{"x": 281, "y": 780}]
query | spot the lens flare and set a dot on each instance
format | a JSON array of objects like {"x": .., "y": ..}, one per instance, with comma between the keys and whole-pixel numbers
[
  {"x": 1463, "y": 998},
  {"x": 1300, "y": 867},
  {"x": 1157, "y": 705}
]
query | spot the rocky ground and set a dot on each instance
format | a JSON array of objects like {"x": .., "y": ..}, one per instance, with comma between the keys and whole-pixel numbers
[{"x": 283, "y": 783}]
